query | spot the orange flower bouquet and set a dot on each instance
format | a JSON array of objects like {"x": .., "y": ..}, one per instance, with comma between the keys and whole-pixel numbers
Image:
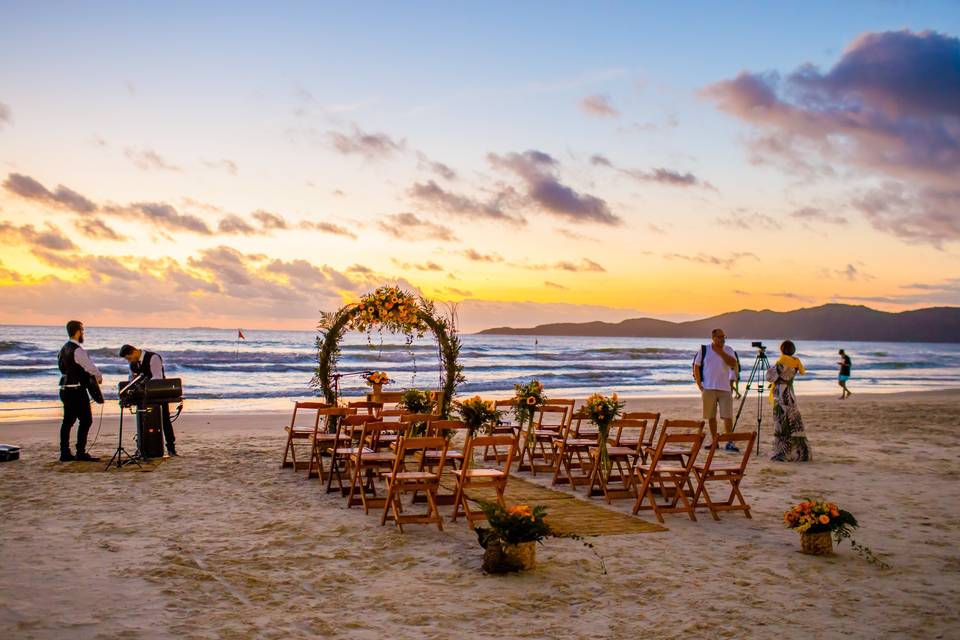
[
  {"x": 510, "y": 542},
  {"x": 527, "y": 399},
  {"x": 378, "y": 377},
  {"x": 817, "y": 520}
]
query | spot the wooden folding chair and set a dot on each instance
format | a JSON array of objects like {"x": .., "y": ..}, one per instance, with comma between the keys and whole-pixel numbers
[
  {"x": 481, "y": 477},
  {"x": 536, "y": 443},
  {"x": 505, "y": 426},
  {"x": 345, "y": 443},
  {"x": 300, "y": 433},
  {"x": 650, "y": 434},
  {"x": 710, "y": 471},
  {"x": 623, "y": 459},
  {"x": 673, "y": 479},
  {"x": 323, "y": 440},
  {"x": 402, "y": 481},
  {"x": 366, "y": 463},
  {"x": 672, "y": 453},
  {"x": 367, "y": 407},
  {"x": 450, "y": 430},
  {"x": 419, "y": 422},
  {"x": 571, "y": 454}
]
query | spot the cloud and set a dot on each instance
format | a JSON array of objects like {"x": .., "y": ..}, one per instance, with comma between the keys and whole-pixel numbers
[
  {"x": 433, "y": 196},
  {"x": 598, "y": 105},
  {"x": 544, "y": 190},
  {"x": 439, "y": 168},
  {"x": 659, "y": 175},
  {"x": 227, "y": 165},
  {"x": 30, "y": 189},
  {"x": 48, "y": 238},
  {"x": 372, "y": 146},
  {"x": 407, "y": 226},
  {"x": 749, "y": 221},
  {"x": 148, "y": 159},
  {"x": 327, "y": 227},
  {"x": 584, "y": 266},
  {"x": 269, "y": 221},
  {"x": 235, "y": 224},
  {"x": 554, "y": 285},
  {"x": 475, "y": 256},
  {"x": 814, "y": 214},
  {"x": 702, "y": 258},
  {"x": 6, "y": 115},
  {"x": 97, "y": 229},
  {"x": 888, "y": 108},
  {"x": 160, "y": 215},
  {"x": 426, "y": 266}
]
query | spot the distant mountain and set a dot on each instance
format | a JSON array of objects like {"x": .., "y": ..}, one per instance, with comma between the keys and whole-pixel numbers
[{"x": 827, "y": 322}]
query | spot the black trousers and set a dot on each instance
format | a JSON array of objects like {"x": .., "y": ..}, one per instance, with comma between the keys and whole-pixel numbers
[
  {"x": 76, "y": 408},
  {"x": 168, "y": 436}
]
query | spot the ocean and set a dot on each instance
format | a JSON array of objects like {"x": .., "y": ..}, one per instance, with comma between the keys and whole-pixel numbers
[{"x": 270, "y": 368}]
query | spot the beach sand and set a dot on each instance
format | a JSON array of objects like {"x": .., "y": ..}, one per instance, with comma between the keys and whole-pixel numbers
[{"x": 222, "y": 543}]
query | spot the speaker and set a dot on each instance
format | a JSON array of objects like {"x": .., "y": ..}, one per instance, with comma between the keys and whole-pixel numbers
[
  {"x": 162, "y": 390},
  {"x": 150, "y": 431}
]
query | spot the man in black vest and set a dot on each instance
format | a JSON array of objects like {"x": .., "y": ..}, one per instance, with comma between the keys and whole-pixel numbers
[
  {"x": 78, "y": 372},
  {"x": 150, "y": 365}
]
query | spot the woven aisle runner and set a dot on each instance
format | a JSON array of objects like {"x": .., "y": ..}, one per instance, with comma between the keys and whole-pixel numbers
[{"x": 565, "y": 513}]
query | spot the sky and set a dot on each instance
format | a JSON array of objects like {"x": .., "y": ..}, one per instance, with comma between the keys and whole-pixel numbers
[{"x": 251, "y": 164}]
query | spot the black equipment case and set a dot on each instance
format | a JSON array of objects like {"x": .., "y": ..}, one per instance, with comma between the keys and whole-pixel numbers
[
  {"x": 150, "y": 431},
  {"x": 9, "y": 452}
]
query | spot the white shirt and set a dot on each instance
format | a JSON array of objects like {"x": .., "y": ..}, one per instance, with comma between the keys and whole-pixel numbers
[
  {"x": 715, "y": 373},
  {"x": 81, "y": 357},
  {"x": 155, "y": 367}
]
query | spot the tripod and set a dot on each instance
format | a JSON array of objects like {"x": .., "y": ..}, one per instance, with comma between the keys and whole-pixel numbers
[
  {"x": 758, "y": 373},
  {"x": 120, "y": 456}
]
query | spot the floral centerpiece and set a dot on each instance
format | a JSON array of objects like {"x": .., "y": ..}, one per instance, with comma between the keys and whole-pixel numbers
[
  {"x": 416, "y": 401},
  {"x": 817, "y": 520},
  {"x": 602, "y": 410},
  {"x": 391, "y": 308},
  {"x": 378, "y": 378},
  {"x": 527, "y": 399},
  {"x": 478, "y": 414},
  {"x": 510, "y": 541}
]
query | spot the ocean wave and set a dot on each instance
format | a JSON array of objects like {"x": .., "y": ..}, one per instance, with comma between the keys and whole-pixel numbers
[{"x": 12, "y": 346}]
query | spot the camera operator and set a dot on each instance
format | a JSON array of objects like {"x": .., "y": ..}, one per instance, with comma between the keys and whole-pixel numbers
[
  {"x": 150, "y": 365},
  {"x": 79, "y": 374},
  {"x": 713, "y": 367}
]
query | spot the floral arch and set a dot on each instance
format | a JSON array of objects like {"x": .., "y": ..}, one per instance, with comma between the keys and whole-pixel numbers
[{"x": 397, "y": 311}]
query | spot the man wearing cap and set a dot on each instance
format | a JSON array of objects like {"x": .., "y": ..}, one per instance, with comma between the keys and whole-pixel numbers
[{"x": 150, "y": 365}]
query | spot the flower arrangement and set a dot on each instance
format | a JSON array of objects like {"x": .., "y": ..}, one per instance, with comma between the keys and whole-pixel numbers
[
  {"x": 527, "y": 399},
  {"x": 389, "y": 307},
  {"x": 378, "y": 377},
  {"x": 510, "y": 541},
  {"x": 479, "y": 414},
  {"x": 602, "y": 410},
  {"x": 812, "y": 517},
  {"x": 416, "y": 401}
]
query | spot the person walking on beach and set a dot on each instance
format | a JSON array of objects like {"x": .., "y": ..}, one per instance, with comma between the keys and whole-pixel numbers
[
  {"x": 713, "y": 369},
  {"x": 77, "y": 370},
  {"x": 844, "y": 375},
  {"x": 790, "y": 440}
]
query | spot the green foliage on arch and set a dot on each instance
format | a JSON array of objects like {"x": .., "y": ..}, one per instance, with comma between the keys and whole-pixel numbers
[{"x": 397, "y": 311}]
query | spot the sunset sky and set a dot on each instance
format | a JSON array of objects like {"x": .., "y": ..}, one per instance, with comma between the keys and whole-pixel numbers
[{"x": 247, "y": 165}]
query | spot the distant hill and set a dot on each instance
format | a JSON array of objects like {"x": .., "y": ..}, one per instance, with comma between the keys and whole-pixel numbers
[{"x": 827, "y": 322}]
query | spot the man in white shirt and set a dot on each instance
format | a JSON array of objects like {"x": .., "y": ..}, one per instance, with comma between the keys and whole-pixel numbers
[
  {"x": 713, "y": 367},
  {"x": 150, "y": 365},
  {"x": 77, "y": 369}
]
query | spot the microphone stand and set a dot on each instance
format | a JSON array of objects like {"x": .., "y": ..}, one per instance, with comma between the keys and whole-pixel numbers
[{"x": 118, "y": 456}]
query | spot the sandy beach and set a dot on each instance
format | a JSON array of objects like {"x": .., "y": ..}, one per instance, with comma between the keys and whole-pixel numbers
[{"x": 223, "y": 543}]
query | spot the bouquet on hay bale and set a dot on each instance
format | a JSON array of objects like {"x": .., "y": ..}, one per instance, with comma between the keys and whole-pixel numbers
[
  {"x": 527, "y": 400},
  {"x": 510, "y": 542},
  {"x": 478, "y": 414},
  {"x": 602, "y": 411},
  {"x": 819, "y": 523}
]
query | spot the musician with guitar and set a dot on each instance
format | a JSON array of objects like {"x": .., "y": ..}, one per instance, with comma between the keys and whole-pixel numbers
[{"x": 80, "y": 381}]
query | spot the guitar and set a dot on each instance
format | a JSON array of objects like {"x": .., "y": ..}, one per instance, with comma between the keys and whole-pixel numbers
[{"x": 90, "y": 384}]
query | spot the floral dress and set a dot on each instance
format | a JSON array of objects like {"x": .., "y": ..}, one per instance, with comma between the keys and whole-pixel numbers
[{"x": 790, "y": 443}]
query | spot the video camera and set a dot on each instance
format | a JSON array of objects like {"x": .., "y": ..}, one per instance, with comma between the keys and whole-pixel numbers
[
  {"x": 758, "y": 345},
  {"x": 142, "y": 391}
]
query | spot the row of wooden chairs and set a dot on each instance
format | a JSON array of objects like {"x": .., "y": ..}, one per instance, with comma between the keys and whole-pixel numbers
[{"x": 363, "y": 446}]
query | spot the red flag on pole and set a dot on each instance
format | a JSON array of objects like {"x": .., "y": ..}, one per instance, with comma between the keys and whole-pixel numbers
[{"x": 240, "y": 334}]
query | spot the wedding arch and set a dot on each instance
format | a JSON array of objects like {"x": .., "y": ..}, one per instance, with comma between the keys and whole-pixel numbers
[{"x": 395, "y": 310}]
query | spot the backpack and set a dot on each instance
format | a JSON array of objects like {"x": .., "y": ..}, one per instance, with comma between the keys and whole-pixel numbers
[{"x": 703, "y": 358}]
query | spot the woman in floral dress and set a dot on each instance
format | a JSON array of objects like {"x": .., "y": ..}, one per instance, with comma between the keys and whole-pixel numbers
[{"x": 790, "y": 444}]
